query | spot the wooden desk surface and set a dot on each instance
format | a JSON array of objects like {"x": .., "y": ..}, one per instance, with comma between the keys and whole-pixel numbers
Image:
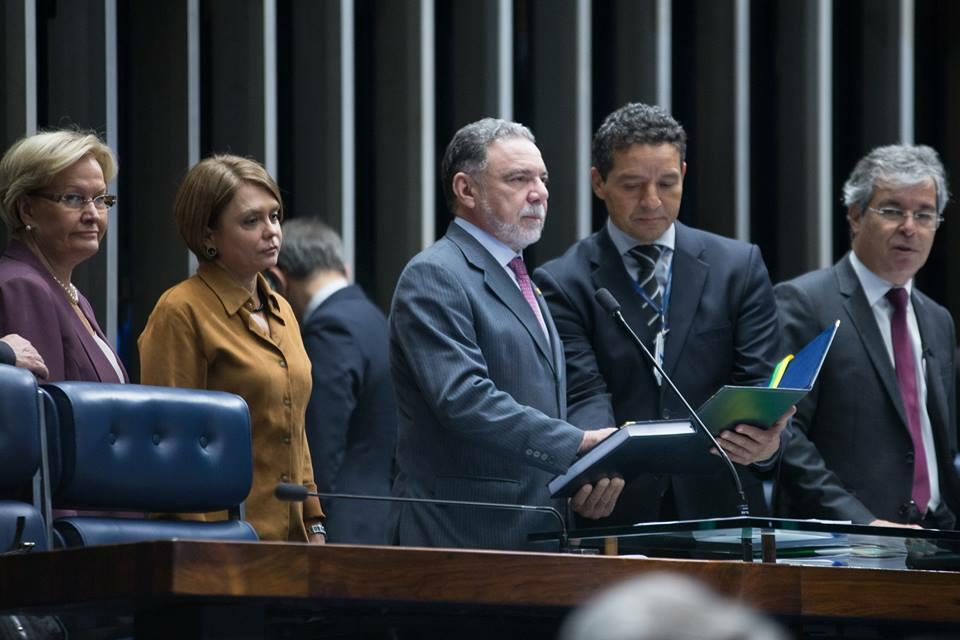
[{"x": 137, "y": 575}]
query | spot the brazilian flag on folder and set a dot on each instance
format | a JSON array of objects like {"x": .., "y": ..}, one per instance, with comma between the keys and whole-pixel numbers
[{"x": 792, "y": 378}]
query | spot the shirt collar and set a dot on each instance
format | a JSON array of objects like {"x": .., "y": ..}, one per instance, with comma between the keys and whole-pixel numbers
[
  {"x": 323, "y": 293},
  {"x": 624, "y": 243},
  {"x": 232, "y": 296},
  {"x": 874, "y": 287},
  {"x": 500, "y": 252}
]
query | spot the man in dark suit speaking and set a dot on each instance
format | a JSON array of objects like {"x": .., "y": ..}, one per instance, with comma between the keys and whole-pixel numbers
[
  {"x": 875, "y": 440},
  {"x": 477, "y": 362},
  {"x": 704, "y": 303}
]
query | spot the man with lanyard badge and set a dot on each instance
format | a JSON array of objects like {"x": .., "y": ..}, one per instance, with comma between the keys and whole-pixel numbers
[{"x": 704, "y": 302}]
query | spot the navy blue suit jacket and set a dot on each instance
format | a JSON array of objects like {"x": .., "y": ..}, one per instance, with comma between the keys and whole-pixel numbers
[
  {"x": 351, "y": 418},
  {"x": 723, "y": 330}
]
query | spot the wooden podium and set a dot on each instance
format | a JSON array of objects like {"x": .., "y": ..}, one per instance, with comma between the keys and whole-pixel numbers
[{"x": 185, "y": 589}]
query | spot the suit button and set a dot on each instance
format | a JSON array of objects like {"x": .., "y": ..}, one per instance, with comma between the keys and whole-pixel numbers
[
  {"x": 286, "y": 439},
  {"x": 283, "y": 364},
  {"x": 284, "y": 477},
  {"x": 286, "y": 402},
  {"x": 536, "y": 454},
  {"x": 666, "y": 414},
  {"x": 909, "y": 457},
  {"x": 529, "y": 452}
]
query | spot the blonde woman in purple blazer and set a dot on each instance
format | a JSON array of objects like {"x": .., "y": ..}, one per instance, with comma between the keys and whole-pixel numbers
[{"x": 54, "y": 204}]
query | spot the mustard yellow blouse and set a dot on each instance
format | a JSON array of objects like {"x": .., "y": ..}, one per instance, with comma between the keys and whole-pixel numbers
[{"x": 200, "y": 335}]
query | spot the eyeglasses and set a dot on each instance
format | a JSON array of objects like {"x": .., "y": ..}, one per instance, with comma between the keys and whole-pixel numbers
[
  {"x": 77, "y": 202},
  {"x": 926, "y": 218}
]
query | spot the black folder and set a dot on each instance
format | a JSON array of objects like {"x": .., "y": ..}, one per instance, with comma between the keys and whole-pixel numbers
[{"x": 656, "y": 446}]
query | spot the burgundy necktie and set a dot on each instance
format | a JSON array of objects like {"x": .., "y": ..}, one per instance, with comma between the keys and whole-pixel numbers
[
  {"x": 526, "y": 288},
  {"x": 907, "y": 381}
]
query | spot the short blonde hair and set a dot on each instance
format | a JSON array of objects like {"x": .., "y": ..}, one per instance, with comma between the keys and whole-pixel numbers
[
  {"x": 33, "y": 162},
  {"x": 208, "y": 188}
]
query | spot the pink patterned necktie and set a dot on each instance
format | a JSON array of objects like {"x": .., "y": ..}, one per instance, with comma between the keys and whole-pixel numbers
[
  {"x": 907, "y": 381},
  {"x": 526, "y": 288}
]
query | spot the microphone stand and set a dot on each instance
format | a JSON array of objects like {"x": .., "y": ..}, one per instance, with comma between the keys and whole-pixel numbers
[
  {"x": 611, "y": 306},
  {"x": 298, "y": 493}
]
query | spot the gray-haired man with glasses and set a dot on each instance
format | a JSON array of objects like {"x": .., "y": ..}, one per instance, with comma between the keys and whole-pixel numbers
[{"x": 875, "y": 441}]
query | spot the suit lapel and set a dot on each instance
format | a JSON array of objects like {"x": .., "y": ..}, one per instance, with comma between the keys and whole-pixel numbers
[
  {"x": 863, "y": 319},
  {"x": 504, "y": 288},
  {"x": 609, "y": 273},
  {"x": 690, "y": 277}
]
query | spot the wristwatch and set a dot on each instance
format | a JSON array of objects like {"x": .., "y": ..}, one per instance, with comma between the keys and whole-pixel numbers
[{"x": 317, "y": 529}]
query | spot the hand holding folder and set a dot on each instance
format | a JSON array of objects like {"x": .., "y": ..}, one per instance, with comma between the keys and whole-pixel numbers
[{"x": 792, "y": 378}]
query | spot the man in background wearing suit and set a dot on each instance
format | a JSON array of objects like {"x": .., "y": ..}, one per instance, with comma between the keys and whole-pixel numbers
[
  {"x": 875, "y": 439},
  {"x": 17, "y": 351},
  {"x": 704, "y": 303},
  {"x": 351, "y": 418},
  {"x": 477, "y": 363}
]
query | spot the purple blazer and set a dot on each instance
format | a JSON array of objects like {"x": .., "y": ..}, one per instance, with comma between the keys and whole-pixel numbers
[{"x": 33, "y": 305}]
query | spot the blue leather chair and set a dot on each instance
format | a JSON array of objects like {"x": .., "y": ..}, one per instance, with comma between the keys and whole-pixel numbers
[
  {"x": 136, "y": 448},
  {"x": 22, "y": 525}
]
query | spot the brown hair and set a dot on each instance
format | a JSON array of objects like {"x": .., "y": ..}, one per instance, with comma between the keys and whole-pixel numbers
[{"x": 208, "y": 188}]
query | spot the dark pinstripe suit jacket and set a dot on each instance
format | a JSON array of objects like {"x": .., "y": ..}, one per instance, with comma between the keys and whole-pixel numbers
[{"x": 481, "y": 398}]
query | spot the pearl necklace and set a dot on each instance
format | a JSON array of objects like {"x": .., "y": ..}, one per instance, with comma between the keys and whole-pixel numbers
[{"x": 72, "y": 294}]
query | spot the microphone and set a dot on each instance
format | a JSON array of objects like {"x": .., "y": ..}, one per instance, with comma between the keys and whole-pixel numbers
[
  {"x": 298, "y": 493},
  {"x": 609, "y": 304}
]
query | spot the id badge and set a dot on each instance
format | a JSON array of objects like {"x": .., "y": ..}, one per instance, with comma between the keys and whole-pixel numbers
[{"x": 658, "y": 346}]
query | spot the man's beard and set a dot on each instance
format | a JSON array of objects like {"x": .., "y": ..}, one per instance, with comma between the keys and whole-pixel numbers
[{"x": 515, "y": 235}]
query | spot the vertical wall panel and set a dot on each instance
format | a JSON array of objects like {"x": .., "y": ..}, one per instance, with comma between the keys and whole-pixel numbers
[
  {"x": 18, "y": 66},
  {"x": 312, "y": 134},
  {"x": 77, "y": 53},
  {"x": 741, "y": 117},
  {"x": 160, "y": 143},
  {"x": 552, "y": 111},
  {"x": 631, "y": 62},
  {"x": 474, "y": 75},
  {"x": 704, "y": 100},
  {"x": 232, "y": 77},
  {"x": 391, "y": 120},
  {"x": 18, "y": 75},
  {"x": 937, "y": 94}
]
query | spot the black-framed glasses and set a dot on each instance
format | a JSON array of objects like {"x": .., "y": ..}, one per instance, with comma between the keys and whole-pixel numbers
[
  {"x": 926, "y": 218},
  {"x": 77, "y": 202}
]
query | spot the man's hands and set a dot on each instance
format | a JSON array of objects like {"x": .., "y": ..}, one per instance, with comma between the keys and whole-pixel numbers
[
  {"x": 746, "y": 444},
  {"x": 596, "y": 500},
  {"x": 593, "y": 438},
  {"x": 27, "y": 357}
]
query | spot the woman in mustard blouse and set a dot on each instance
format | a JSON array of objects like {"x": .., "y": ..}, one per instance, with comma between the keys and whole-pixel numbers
[{"x": 224, "y": 329}]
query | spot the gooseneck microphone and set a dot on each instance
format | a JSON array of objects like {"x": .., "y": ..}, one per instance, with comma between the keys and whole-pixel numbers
[
  {"x": 609, "y": 304},
  {"x": 298, "y": 493}
]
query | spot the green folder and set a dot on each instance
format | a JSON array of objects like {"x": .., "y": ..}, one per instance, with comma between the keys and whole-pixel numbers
[{"x": 761, "y": 406}]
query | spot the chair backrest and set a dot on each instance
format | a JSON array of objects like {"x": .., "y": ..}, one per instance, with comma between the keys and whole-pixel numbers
[
  {"x": 20, "y": 456},
  {"x": 125, "y": 447}
]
